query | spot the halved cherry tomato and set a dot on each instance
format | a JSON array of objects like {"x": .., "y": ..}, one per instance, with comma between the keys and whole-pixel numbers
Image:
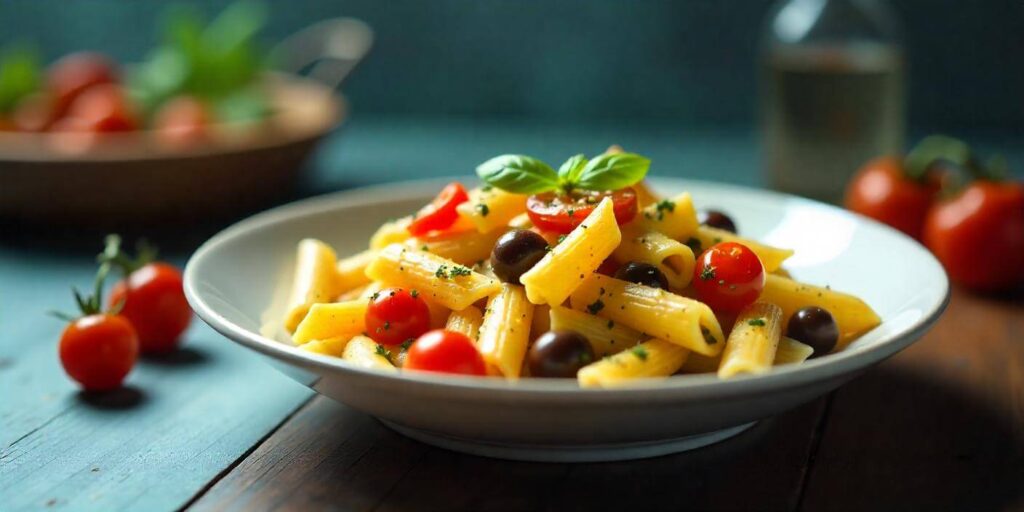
[
  {"x": 445, "y": 352},
  {"x": 101, "y": 109},
  {"x": 440, "y": 213},
  {"x": 881, "y": 190},
  {"x": 98, "y": 351},
  {"x": 396, "y": 315},
  {"x": 979, "y": 235},
  {"x": 561, "y": 213},
  {"x": 74, "y": 73},
  {"x": 153, "y": 301},
  {"x": 728, "y": 277}
]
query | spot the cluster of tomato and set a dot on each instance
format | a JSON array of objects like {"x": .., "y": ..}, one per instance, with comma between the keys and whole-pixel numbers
[
  {"x": 146, "y": 312},
  {"x": 967, "y": 214},
  {"x": 82, "y": 93}
]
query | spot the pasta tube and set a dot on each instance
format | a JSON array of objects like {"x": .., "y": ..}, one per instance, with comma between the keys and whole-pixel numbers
[
  {"x": 697, "y": 363},
  {"x": 676, "y": 218},
  {"x": 853, "y": 316},
  {"x": 466, "y": 321},
  {"x": 652, "y": 311},
  {"x": 605, "y": 336},
  {"x": 505, "y": 332},
  {"x": 391, "y": 232},
  {"x": 315, "y": 281},
  {"x": 328, "y": 347},
  {"x": 791, "y": 351},
  {"x": 771, "y": 257},
  {"x": 753, "y": 341},
  {"x": 465, "y": 248},
  {"x": 672, "y": 258},
  {"x": 438, "y": 279},
  {"x": 366, "y": 353},
  {"x": 352, "y": 270},
  {"x": 332, "y": 320},
  {"x": 563, "y": 268},
  {"x": 644, "y": 195},
  {"x": 654, "y": 358},
  {"x": 490, "y": 208}
]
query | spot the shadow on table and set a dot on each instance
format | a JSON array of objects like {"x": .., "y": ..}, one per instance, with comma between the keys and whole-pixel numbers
[
  {"x": 125, "y": 397},
  {"x": 180, "y": 357}
]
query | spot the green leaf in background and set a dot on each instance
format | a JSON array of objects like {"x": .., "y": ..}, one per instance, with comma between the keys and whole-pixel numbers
[
  {"x": 518, "y": 174},
  {"x": 244, "y": 105},
  {"x": 934, "y": 148},
  {"x": 570, "y": 171},
  {"x": 612, "y": 172},
  {"x": 19, "y": 75}
]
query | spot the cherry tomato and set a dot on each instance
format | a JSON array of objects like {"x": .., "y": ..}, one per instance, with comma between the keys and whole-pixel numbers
[
  {"x": 396, "y": 315},
  {"x": 98, "y": 351},
  {"x": 34, "y": 113},
  {"x": 728, "y": 277},
  {"x": 74, "y": 73},
  {"x": 440, "y": 213},
  {"x": 181, "y": 122},
  {"x": 103, "y": 109},
  {"x": 882, "y": 191},
  {"x": 153, "y": 301},
  {"x": 445, "y": 352},
  {"x": 561, "y": 213},
  {"x": 979, "y": 235}
]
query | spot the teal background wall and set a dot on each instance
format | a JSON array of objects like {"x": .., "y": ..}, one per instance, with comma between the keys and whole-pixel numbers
[{"x": 684, "y": 61}]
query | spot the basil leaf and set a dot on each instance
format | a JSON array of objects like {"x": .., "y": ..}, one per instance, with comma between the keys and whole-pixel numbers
[
  {"x": 518, "y": 174},
  {"x": 570, "y": 171},
  {"x": 612, "y": 172}
]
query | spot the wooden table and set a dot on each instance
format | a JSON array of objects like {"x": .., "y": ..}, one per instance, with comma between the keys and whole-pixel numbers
[{"x": 939, "y": 426}]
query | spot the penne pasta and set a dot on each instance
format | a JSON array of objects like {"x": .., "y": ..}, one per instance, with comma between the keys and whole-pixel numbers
[
  {"x": 697, "y": 363},
  {"x": 853, "y": 316},
  {"x": 464, "y": 247},
  {"x": 505, "y": 331},
  {"x": 653, "y": 358},
  {"x": 366, "y": 353},
  {"x": 521, "y": 221},
  {"x": 490, "y": 208},
  {"x": 644, "y": 195},
  {"x": 332, "y": 320},
  {"x": 328, "y": 347},
  {"x": 567, "y": 264},
  {"x": 391, "y": 232},
  {"x": 675, "y": 218},
  {"x": 437, "y": 279},
  {"x": 771, "y": 257},
  {"x": 753, "y": 341},
  {"x": 791, "y": 351},
  {"x": 672, "y": 258},
  {"x": 466, "y": 321},
  {"x": 605, "y": 336},
  {"x": 352, "y": 270},
  {"x": 315, "y": 280},
  {"x": 541, "y": 321},
  {"x": 652, "y": 311}
]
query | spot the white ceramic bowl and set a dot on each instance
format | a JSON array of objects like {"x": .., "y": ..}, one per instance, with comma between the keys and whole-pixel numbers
[{"x": 235, "y": 276}]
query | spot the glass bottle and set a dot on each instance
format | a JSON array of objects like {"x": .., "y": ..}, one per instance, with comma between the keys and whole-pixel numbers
[{"x": 832, "y": 92}]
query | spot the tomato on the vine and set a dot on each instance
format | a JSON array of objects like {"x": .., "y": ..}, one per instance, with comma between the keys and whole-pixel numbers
[
  {"x": 882, "y": 190},
  {"x": 445, "y": 352},
  {"x": 441, "y": 212},
  {"x": 98, "y": 351},
  {"x": 560, "y": 212},
  {"x": 395, "y": 315},
  {"x": 978, "y": 235},
  {"x": 728, "y": 277}
]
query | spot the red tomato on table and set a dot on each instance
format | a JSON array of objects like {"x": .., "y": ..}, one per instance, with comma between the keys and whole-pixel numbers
[
  {"x": 98, "y": 351},
  {"x": 441, "y": 212},
  {"x": 728, "y": 277},
  {"x": 445, "y": 352},
  {"x": 153, "y": 300},
  {"x": 881, "y": 190},
  {"x": 395, "y": 315},
  {"x": 560, "y": 213},
  {"x": 979, "y": 235}
]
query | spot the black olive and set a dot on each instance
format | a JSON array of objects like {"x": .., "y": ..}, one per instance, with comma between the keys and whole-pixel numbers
[
  {"x": 642, "y": 273},
  {"x": 559, "y": 354},
  {"x": 516, "y": 252},
  {"x": 717, "y": 219},
  {"x": 815, "y": 327}
]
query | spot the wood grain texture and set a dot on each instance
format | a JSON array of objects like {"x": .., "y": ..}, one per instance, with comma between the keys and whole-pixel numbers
[
  {"x": 938, "y": 427},
  {"x": 330, "y": 457},
  {"x": 180, "y": 421}
]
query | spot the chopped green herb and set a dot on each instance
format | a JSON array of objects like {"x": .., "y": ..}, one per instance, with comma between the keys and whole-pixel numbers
[
  {"x": 757, "y": 322},
  {"x": 570, "y": 211},
  {"x": 374, "y": 295},
  {"x": 707, "y": 336},
  {"x": 663, "y": 206},
  {"x": 425, "y": 248},
  {"x": 387, "y": 325},
  {"x": 459, "y": 271},
  {"x": 442, "y": 272},
  {"x": 406, "y": 344},
  {"x": 383, "y": 352},
  {"x": 413, "y": 293},
  {"x": 561, "y": 238},
  {"x": 611, "y": 324},
  {"x": 484, "y": 210},
  {"x": 707, "y": 273},
  {"x": 640, "y": 352},
  {"x": 596, "y": 306}
]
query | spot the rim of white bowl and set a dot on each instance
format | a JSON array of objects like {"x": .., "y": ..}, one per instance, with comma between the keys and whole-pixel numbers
[{"x": 696, "y": 385}]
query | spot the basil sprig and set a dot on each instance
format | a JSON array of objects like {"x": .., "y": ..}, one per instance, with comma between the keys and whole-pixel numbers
[{"x": 522, "y": 174}]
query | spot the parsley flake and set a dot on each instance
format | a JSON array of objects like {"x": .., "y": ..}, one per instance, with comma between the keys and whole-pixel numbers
[
  {"x": 414, "y": 293},
  {"x": 484, "y": 210},
  {"x": 457, "y": 271},
  {"x": 663, "y": 206},
  {"x": 442, "y": 272},
  {"x": 640, "y": 352},
  {"x": 406, "y": 344},
  {"x": 383, "y": 352},
  {"x": 596, "y": 306},
  {"x": 757, "y": 322},
  {"x": 707, "y": 273}
]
